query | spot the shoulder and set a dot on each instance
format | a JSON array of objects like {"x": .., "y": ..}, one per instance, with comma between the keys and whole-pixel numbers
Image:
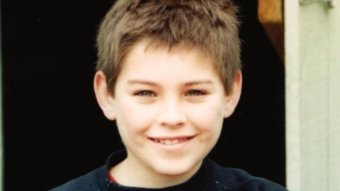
[
  {"x": 87, "y": 182},
  {"x": 238, "y": 179},
  {"x": 94, "y": 180}
]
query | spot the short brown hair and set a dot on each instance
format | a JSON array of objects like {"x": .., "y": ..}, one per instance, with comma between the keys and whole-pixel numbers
[{"x": 210, "y": 25}]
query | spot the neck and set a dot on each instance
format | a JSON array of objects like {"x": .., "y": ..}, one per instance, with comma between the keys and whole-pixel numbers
[{"x": 129, "y": 174}]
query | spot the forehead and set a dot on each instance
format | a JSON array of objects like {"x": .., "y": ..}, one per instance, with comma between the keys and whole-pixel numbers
[
  {"x": 151, "y": 50},
  {"x": 152, "y": 47},
  {"x": 157, "y": 62}
]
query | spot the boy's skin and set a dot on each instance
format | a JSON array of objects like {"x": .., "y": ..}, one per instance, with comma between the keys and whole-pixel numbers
[{"x": 169, "y": 105}]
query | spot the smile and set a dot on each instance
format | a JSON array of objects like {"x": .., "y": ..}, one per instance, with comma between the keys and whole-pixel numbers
[{"x": 170, "y": 141}]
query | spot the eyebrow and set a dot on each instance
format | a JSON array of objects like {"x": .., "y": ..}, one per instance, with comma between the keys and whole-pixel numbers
[
  {"x": 144, "y": 82},
  {"x": 189, "y": 83},
  {"x": 198, "y": 82}
]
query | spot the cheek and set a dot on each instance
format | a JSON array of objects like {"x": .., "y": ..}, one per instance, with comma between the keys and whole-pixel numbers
[
  {"x": 208, "y": 117},
  {"x": 134, "y": 118},
  {"x": 208, "y": 122}
]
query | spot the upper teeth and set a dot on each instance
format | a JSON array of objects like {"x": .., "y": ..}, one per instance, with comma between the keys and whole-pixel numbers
[{"x": 169, "y": 141}]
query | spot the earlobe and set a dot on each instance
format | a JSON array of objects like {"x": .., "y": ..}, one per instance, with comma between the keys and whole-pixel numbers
[
  {"x": 104, "y": 98},
  {"x": 234, "y": 96}
]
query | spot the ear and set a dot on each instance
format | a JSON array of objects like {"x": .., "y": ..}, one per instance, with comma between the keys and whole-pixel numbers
[
  {"x": 233, "y": 97},
  {"x": 105, "y": 98}
]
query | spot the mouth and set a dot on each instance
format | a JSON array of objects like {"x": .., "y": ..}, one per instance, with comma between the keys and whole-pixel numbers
[{"x": 171, "y": 141}]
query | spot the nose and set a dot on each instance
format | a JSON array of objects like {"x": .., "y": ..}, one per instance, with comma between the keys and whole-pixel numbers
[{"x": 172, "y": 114}]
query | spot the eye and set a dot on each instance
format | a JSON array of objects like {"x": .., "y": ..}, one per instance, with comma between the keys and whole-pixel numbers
[
  {"x": 145, "y": 93},
  {"x": 196, "y": 93}
]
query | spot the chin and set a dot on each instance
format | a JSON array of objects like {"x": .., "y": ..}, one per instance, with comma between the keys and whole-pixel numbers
[{"x": 177, "y": 168}]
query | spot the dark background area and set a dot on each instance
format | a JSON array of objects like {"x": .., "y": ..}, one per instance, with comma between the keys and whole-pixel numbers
[{"x": 53, "y": 128}]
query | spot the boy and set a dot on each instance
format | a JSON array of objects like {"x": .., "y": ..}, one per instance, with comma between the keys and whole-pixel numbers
[{"x": 168, "y": 73}]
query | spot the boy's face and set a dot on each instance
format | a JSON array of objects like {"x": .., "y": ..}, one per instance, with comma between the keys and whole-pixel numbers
[{"x": 169, "y": 107}]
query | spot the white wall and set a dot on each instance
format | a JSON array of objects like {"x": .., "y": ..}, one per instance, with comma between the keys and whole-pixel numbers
[{"x": 312, "y": 46}]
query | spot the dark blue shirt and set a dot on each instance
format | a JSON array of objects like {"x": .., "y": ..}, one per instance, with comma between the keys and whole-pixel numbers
[{"x": 210, "y": 177}]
